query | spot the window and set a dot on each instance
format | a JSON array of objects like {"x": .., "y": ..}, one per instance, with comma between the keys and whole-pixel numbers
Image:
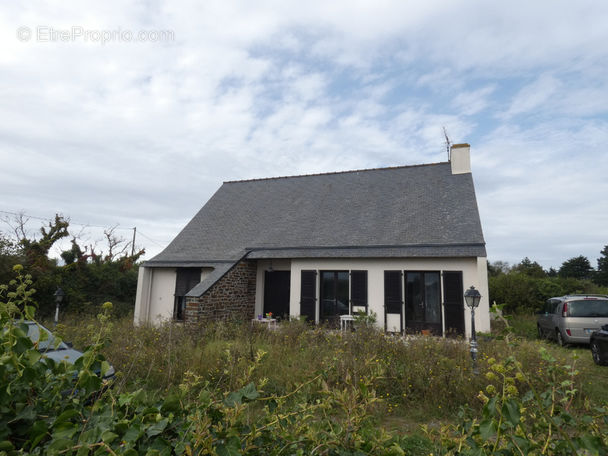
[
  {"x": 588, "y": 308},
  {"x": 334, "y": 294},
  {"x": 339, "y": 292},
  {"x": 551, "y": 306},
  {"x": 423, "y": 301},
  {"x": 186, "y": 279}
]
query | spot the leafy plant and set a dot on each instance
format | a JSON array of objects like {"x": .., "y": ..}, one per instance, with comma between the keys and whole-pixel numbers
[{"x": 540, "y": 421}]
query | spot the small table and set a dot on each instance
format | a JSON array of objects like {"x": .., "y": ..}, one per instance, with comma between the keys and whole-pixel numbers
[
  {"x": 271, "y": 323},
  {"x": 344, "y": 319}
]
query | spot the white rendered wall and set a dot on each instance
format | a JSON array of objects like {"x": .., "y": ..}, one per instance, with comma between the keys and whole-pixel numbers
[
  {"x": 473, "y": 273},
  {"x": 142, "y": 297}
]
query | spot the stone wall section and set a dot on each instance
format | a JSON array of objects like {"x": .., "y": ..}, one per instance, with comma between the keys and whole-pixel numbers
[{"x": 230, "y": 298}]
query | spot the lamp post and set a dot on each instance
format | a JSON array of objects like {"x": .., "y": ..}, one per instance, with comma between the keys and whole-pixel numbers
[
  {"x": 472, "y": 298},
  {"x": 59, "y": 294}
]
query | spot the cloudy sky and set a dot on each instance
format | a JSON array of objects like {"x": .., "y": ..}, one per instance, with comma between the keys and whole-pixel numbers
[{"x": 134, "y": 113}]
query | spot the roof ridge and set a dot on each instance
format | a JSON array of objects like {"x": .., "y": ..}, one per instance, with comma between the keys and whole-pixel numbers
[{"x": 335, "y": 172}]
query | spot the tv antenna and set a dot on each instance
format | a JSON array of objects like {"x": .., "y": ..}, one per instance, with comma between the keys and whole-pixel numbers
[{"x": 448, "y": 143}]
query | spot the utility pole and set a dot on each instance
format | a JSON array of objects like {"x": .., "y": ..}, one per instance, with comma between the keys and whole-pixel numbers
[{"x": 133, "y": 243}]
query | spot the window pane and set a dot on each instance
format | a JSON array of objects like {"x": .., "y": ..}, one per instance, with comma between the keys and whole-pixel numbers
[
  {"x": 433, "y": 302},
  {"x": 327, "y": 288},
  {"x": 334, "y": 293},
  {"x": 414, "y": 299},
  {"x": 588, "y": 308},
  {"x": 342, "y": 306}
]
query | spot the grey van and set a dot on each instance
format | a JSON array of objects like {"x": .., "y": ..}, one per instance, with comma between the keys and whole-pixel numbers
[{"x": 572, "y": 318}]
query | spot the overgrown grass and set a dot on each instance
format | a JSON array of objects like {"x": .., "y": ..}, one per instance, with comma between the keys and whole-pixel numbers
[{"x": 423, "y": 378}]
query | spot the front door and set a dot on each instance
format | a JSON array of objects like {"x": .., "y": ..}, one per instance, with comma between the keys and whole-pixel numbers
[
  {"x": 334, "y": 296},
  {"x": 423, "y": 302},
  {"x": 276, "y": 293}
]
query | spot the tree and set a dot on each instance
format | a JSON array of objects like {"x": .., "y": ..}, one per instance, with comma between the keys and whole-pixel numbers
[
  {"x": 88, "y": 277},
  {"x": 576, "y": 267},
  {"x": 601, "y": 277},
  {"x": 36, "y": 250},
  {"x": 496, "y": 268},
  {"x": 9, "y": 257},
  {"x": 515, "y": 290},
  {"x": 530, "y": 268},
  {"x": 91, "y": 277}
]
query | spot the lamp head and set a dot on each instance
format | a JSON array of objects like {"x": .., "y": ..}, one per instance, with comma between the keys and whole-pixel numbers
[
  {"x": 59, "y": 294},
  {"x": 472, "y": 297}
]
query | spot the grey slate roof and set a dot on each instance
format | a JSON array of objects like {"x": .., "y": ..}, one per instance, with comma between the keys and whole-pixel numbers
[{"x": 421, "y": 210}]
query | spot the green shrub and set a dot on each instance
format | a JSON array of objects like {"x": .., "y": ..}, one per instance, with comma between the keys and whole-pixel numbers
[{"x": 541, "y": 421}]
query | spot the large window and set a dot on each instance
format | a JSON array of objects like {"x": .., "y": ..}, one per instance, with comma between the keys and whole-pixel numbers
[{"x": 341, "y": 293}]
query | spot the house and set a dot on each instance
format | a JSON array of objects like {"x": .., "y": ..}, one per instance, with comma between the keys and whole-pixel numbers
[{"x": 401, "y": 242}]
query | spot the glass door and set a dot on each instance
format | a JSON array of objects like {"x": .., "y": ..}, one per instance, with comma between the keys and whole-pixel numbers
[
  {"x": 334, "y": 295},
  {"x": 423, "y": 302}
]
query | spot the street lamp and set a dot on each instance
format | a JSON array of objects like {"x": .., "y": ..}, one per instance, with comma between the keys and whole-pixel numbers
[
  {"x": 472, "y": 298},
  {"x": 59, "y": 294}
]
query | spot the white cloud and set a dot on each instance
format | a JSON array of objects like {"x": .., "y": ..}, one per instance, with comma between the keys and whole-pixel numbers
[
  {"x": 473, "y": 102},
  {"x": 533, "y": 96}
]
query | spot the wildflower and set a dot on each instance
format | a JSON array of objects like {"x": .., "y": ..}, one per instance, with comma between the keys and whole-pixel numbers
[
  {"x": 499, "y": 368},
  {"x": 491, "y": 376},
  {"x": 512, "y": 390},
  {"x": 482, "y": 397},
  {"x": 490, "y": 389}
]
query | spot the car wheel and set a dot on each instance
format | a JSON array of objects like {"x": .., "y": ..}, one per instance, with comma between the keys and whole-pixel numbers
[
  {"x": 559, "y": 338},
  {"x": 595, "y": 353}
]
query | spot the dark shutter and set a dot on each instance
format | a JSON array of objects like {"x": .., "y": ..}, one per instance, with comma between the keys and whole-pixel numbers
[
  {"x": 186, "y": 279},
  {"x": 276, "y": 293},
  {"x": 392, "y": 292},
  {"x": 358, "y": 289},
  {"x": 453, "y": 300},
  {"x": 308, "y": 295}
]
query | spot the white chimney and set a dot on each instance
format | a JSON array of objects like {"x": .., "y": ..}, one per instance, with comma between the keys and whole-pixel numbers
[{"x": 460, "y": 158}]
